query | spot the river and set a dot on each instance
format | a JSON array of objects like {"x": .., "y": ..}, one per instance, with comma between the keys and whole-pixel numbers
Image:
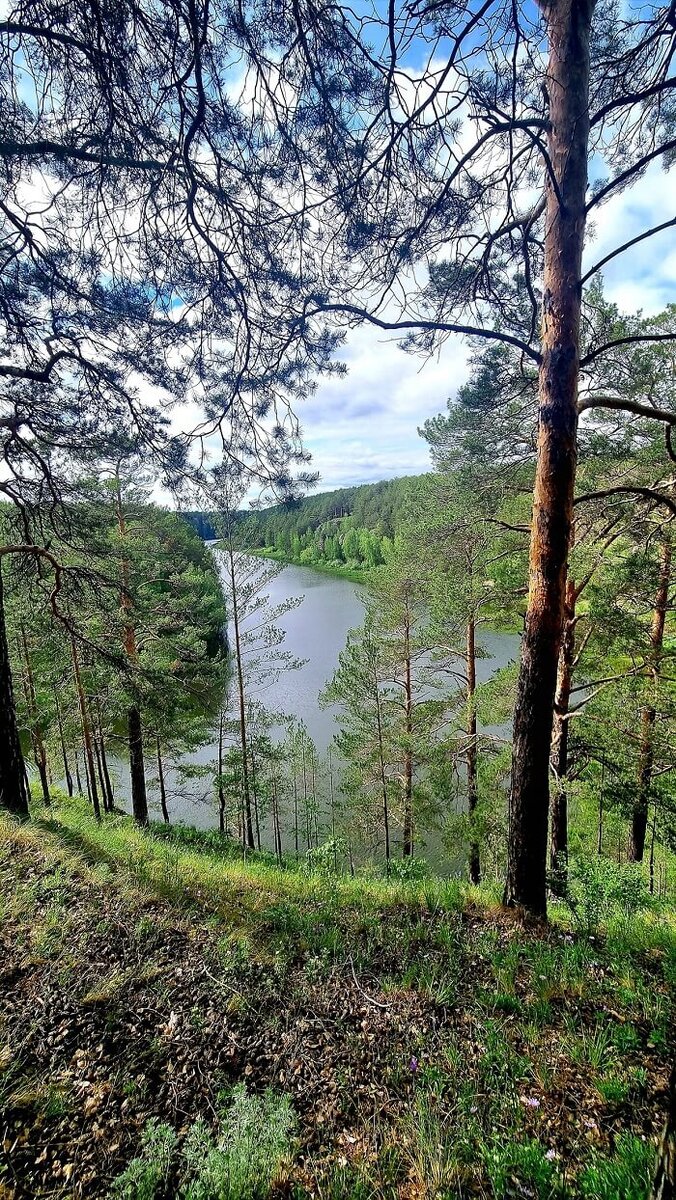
[{"x": 315, "y": 631}]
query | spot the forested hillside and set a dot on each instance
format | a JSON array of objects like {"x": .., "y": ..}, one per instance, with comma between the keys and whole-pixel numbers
[{"x": 346, "y": 528}]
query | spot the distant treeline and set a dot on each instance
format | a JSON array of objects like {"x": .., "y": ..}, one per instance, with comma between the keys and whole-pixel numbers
[{"x": 345, "y": 527}]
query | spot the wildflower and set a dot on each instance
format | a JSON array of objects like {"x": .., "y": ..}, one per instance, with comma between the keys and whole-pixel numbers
[
  {"x": 551, "y": 1155},
  {"x": 530, "y": 1101},
  {"x": 413, "y": 1065}
]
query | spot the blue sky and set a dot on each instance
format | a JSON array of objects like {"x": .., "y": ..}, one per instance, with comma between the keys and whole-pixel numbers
[{"x": 363, "y": 427}]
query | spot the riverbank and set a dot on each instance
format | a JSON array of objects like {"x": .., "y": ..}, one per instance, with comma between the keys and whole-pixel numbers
[
  {"x": 422, "y": 1042},
  {"x": 351, "y": 574}
]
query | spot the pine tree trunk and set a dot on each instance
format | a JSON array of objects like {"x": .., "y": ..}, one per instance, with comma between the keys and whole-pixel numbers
[
  {"x": 77, "y": 775},
  {"x": 407, "y": 846},
  {"x": 383, "y": 776},
  {"x": 110, "y": 794},
  {"x": 222, "y": 816},
  {"x": 137, "y": 774},
  {"x": 558, "y": 841},
  {"x": 86, "y": 733},
  {"x": 568, "y": 26},
  {"x": 99, "y": 769},
  {"x": 107, "y": 782},
  {"x": 472, "y": 782},
  {"x": 64, "y": 751},
  {"x": 160, "y": 780},
  {"x": 139, "y": 798},
  {"x": 247, "y": 834},
  {"x": 13, "y": 787},
  {"x": 639, "y": 817}
]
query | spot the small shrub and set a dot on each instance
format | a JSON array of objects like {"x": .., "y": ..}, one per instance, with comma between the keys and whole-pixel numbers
[
  {"x": 599, "y": 889},
  {"x": 148, "y": 1175},
  {"x": 241, "y": 1164}
]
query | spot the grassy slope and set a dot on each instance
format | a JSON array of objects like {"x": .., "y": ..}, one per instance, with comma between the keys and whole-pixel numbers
[{"x": 431, "y": 1045}]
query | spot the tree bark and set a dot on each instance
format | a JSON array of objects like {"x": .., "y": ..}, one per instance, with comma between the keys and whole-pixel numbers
[
  {"x": 222, "y": 816},
  {"x": 247, "y": 833},
  {"x": 160, "y": 780},
  {"x": 62, "y": 739},
  {"x": 137, "y": 774},
  {"x": 639, "y": 817},
  {"x": 86, "y": 733},
  {"x": 407, "y": 845},
  {"x": 558, "y": 842},
  {"x": 13, "y": 787},
  {"x": 139, "y": 798},
  {"x": 107, "y": 782},
  {"x": 568, "y": 26},
  {"x": 472, "y": 780}
]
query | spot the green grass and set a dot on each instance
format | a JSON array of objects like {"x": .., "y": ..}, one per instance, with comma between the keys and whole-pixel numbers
[{"x": 429, "y": 1044}]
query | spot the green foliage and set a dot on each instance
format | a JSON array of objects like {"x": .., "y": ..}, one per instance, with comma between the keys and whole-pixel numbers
[
  {"x": 148, "y": 1175},
  {"x": 624, "y": 1175},
  {"x": 241, "y": 1162},
  {"x": 600, "y": 888},
  {"x": 524, "y": 1163}
]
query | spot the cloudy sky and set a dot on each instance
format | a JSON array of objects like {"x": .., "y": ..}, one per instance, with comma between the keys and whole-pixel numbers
[{"x": 363, "y": 427}]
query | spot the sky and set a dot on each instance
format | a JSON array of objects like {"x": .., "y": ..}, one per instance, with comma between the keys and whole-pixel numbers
[{"x": 363, "y": 427}]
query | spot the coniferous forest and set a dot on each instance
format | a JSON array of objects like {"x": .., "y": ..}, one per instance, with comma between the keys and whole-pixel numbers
[{"x": 296, "y": 905}]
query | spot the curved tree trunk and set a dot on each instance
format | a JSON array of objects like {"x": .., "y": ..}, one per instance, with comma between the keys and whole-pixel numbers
[
  {"x": 13, "y": 786},
  {"x": 568, "y": 27}
]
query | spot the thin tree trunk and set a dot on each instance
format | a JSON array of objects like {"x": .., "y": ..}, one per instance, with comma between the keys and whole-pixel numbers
[
  {"x": 110, "y": 795},
  {"x": 222, "y": 816},
  {"x": 568, "y": 27},
  {"x": 383, "y": 776},
  {"x": 472, "y": 781},
  {"x": 99, "y": 770},
  {"x": 77, "y": 775},
  {"x": 86, "y": 733},
  {"x": 139, "y": 798},
  {"x": 160, "y": 780},
  {"x": 332, "y": 800},
  {"x": 137, "y": 774},
  {"x": 64, "y": 752},
  {"x": 558, "y": 842},
  {"x": 407, "y": 844},
  {"x": 246, "y": 794},
  {"x": 14, "y": 793},
  {"x": 254, "y": 795},
  {"x": 639, "y": 817},
  {"x": 37, "y": 741}
]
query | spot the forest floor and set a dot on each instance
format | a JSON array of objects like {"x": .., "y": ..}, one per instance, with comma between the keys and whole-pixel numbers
[{"x": 430, "y": 1044}]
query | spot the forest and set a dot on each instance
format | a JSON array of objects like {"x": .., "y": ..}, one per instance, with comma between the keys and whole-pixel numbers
[{"x": 432, "y": 956}]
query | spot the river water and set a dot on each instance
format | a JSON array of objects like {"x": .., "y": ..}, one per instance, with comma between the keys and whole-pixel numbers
[{"x": 314, "y": 631}]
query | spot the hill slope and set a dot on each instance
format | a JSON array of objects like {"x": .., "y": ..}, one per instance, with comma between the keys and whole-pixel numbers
[{"x": 429, "y": 1045}]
